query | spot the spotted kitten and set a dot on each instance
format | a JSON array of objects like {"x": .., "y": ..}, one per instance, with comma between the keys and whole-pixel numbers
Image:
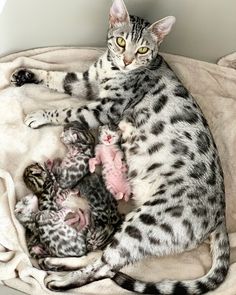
[
  {"x": 80, "y": 148},
  {"x": 173, "y": 163}
]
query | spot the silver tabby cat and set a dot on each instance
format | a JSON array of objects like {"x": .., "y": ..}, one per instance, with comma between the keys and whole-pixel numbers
[{"x": 173, "y": 163}]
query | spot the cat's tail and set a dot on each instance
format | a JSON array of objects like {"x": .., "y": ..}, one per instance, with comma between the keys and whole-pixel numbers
[{"x": 220, "y": 263}]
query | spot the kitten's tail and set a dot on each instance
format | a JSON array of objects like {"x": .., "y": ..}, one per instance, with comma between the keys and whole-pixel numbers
[{"x": 220, "y": 263}]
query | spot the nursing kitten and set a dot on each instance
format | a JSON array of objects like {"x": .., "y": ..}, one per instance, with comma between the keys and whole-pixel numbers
[
  {"x": 109, "y": 154},
  {"x": 80, "y": 148},
  {"x": 96, "y": 216},
  {"x": 173, "y": 164}
]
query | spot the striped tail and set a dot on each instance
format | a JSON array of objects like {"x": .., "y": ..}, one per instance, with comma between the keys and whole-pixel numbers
[{"x": 220, "y": 264}]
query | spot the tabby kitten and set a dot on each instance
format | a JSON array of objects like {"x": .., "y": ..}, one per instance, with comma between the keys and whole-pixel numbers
[{"x": 173, "y": 163}]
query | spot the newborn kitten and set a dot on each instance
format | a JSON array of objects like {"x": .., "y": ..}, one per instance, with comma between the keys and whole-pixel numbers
[
  {"x": 80, "y": 148},
  {"x": 109, "y": 154}
]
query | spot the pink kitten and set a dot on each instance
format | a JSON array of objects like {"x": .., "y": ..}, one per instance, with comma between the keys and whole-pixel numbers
[{"x": 108, "y": 153}]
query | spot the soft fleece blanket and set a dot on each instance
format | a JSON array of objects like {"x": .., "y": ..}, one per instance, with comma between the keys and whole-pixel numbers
[{"x": 213, "y": 86}]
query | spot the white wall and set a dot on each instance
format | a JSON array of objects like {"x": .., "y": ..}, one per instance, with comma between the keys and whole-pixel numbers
[{"x": 205, "y": 29}]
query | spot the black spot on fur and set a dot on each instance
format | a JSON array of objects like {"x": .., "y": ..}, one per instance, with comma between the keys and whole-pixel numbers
[
  {"x": 175, "y": 211},
  {"x": 198, "y": 170},
  {"x": 212, "y": 179},
  {"x": 147, "y": 219},
  {"x": 133, "y": 232},
  {"x": 159, "y": 89},
  {"x": 178, "y": 164},
  {"x": 154, "y": 166},
  {"x": 155, "y": 202},
  {"x": 69, "y": 79},
  {"x": 159, "y": 105},
  {"x": 88, "y": 86},
  {"x": 188, "y": 135},
  {"x": 179, "y": 148},
  {"x": 154, "y": 241},
  {"x": 181, "y": 91},
  {"x": 158, "y": 127},
  {"x": 199, "y": 211},
  {"x": 186, "y": 117},
  {"x": 167, "y": 228},
  {"x": 176, "y": 181},
  {"x": 167, "y": 174},
  {"x": 179, "y": 193},
  {"x": 133, "y": 174},
  {"x": 203, "y": 142},
  {"x": 155, "y": 148}
]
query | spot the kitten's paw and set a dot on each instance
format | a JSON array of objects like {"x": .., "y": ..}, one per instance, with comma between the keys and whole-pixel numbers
[
  {"x": 92, "y": 165},
  {"x": 23, "y": 76},
  {"x": 36, "y": 119}
]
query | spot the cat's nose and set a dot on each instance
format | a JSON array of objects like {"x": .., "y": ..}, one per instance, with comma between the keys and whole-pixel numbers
[{"x": 127, "y": 61}]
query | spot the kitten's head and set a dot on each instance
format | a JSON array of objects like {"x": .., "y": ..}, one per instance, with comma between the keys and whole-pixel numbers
[
  {"x": 35, "y": 176},
  {"x": 132, "y": 41},
  {"x": 108, "y": 135},
  {"x": 25, "y": 207},
  {"x": 74, "y": 133}
]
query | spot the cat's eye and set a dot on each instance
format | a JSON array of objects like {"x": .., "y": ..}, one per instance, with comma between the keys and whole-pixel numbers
[
  {"x": 120, "y": 42},
  {"x": 143, "y": 50}
]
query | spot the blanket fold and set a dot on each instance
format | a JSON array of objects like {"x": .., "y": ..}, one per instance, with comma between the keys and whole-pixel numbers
[{"x": 213, "y": 86}]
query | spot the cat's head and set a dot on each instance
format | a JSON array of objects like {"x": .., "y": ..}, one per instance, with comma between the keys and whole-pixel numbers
[
  {"x": 25, "y": 207},
  {"x": 108, "y": 135},
  {"x": 132, "y": 41}
]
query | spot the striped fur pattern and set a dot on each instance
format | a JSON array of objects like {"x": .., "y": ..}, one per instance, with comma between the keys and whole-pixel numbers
[{"x": 173, "y": 164}]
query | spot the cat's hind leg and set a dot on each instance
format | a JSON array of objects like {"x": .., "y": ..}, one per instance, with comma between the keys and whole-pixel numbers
[{"x": 143, "y": 235}]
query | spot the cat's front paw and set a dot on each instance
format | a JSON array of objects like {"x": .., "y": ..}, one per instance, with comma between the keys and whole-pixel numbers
[
  {"x": 50, "y": 264},
  {"x": 23, "y": 76},
  {"x": 36, "y": 119},
  {"x": 63, "y": 282}
]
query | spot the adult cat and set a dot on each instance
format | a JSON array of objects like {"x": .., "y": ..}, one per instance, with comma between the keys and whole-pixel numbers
[{"x": 173, "y": 164}]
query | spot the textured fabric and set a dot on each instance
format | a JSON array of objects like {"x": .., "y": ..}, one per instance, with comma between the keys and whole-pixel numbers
[{"x": 213, "y": 86}]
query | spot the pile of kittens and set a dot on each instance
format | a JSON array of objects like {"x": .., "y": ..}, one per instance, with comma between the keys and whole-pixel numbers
[{"x": 71, "y": 209}]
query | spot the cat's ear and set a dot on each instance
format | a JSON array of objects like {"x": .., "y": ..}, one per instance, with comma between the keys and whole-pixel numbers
[
  {"x": 162, "y": 28},
  {"x": 118, "y": 14}
]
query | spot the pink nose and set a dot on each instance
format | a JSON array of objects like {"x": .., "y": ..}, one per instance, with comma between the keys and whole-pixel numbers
[
  {"x": 108, "y": 137},
  {"x": 127, "y": 61}
]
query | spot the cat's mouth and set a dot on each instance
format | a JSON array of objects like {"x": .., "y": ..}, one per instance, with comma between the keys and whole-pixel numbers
[{"x": 78, "y": 219}]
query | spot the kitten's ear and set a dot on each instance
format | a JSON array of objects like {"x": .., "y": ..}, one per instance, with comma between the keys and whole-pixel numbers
[
  {"x": 118, "y": 14},
  {"x": 162, "y": 28}
]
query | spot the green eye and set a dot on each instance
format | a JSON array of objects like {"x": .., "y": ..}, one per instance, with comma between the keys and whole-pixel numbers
[
  {"x": 143, "y": 50},
  {"x": 121, "y": 42}
]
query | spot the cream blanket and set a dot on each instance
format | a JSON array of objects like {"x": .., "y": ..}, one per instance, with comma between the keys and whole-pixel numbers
[{"x": 213, "y": 86}]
